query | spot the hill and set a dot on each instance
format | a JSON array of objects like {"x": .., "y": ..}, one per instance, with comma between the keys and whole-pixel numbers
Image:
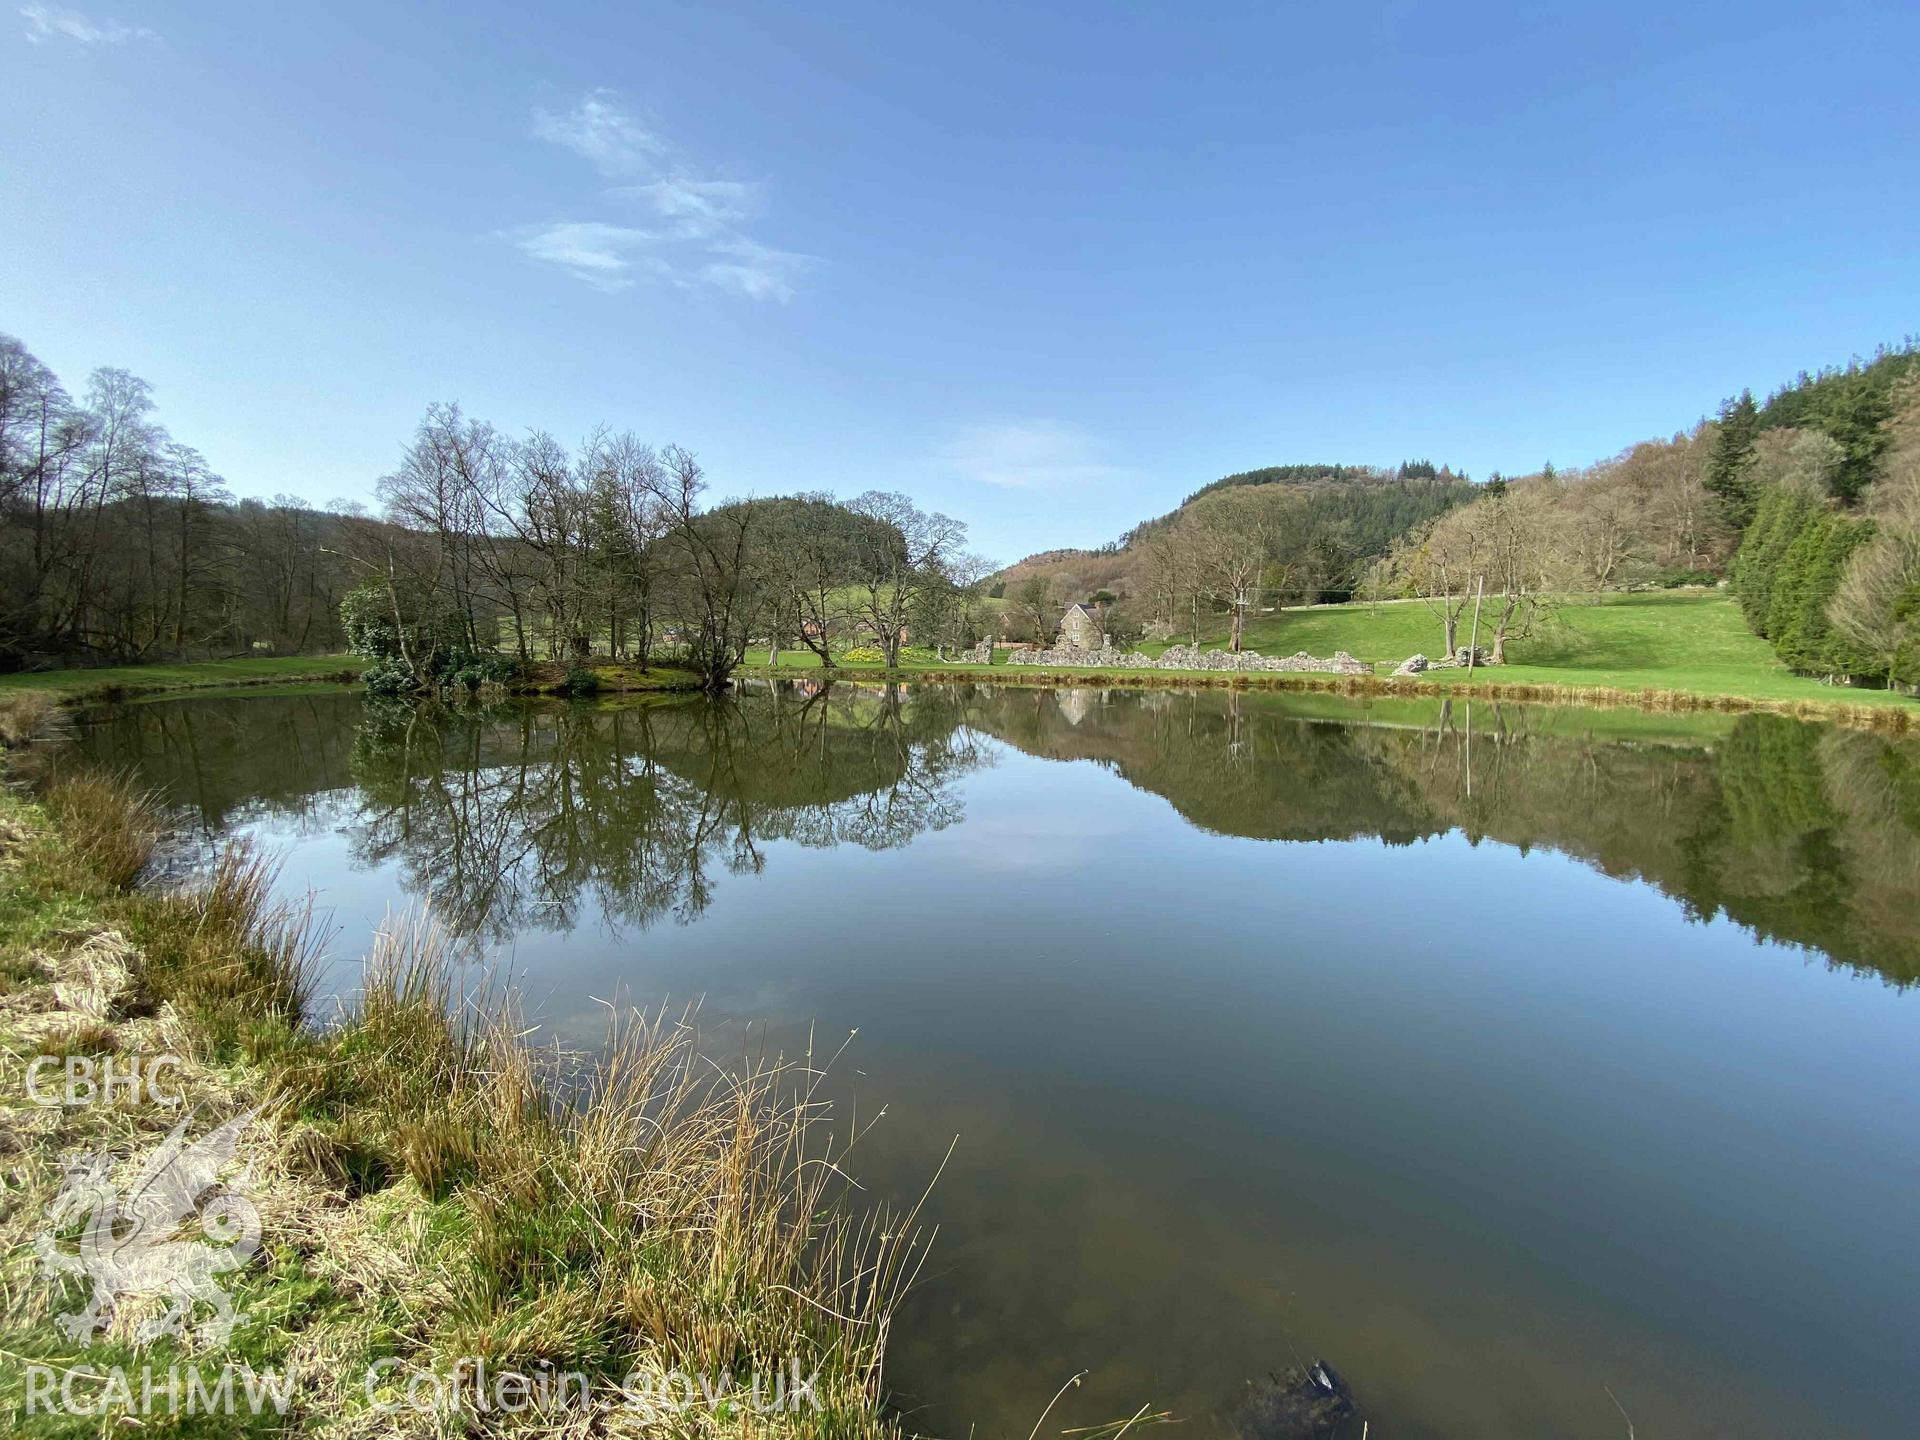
[{"x": 1348, "y": 515}]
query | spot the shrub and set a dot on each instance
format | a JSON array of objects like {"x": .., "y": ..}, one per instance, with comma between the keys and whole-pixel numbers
[
  {"x": 436, "y": 637},
  {"x": 387, "y": 680},
  {"x": 580, "y": 682},
  {"x": 1675, "y": 579}
]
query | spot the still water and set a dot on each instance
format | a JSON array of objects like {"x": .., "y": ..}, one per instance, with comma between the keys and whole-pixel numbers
[{"x": 1504, "y": 1057}]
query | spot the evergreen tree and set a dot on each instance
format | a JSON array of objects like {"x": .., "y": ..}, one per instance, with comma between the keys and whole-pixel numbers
[
  {"x": 1729, "y": 467},
  {"x": 1856, "y": 417},
  {"x": 1810, "y": 571},
  {"x": 1780, "y": 517},
  {"x": 1851, "y": 404}
]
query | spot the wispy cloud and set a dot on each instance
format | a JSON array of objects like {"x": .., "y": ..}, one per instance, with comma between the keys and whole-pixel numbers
[
  {"x": 693, "y": 233},
  {"x": 601, "y": 132},
  {"x": 1029, "y": 455},
  {"x": 50, "y": 22},
  {"x": 756, "y": 271},
  {"x": 602, "y": 255},
  {"x": 700, "y": 205}
]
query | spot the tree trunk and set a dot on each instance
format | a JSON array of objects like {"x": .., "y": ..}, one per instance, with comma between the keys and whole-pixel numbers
[
  {"x": 520, "y": 627},
  {"x": 1499, "y": 656}
]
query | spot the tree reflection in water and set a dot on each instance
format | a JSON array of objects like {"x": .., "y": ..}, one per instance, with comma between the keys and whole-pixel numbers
[{"x": 511, "y": 817}]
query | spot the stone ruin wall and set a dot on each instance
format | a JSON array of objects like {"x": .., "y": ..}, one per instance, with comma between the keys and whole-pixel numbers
[{"x": 1191, "y": 657}]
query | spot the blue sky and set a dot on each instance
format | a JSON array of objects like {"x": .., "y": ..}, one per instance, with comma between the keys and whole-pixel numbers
[{"x": 1046, "y": 267}]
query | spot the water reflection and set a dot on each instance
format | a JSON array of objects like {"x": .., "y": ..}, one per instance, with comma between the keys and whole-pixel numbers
[
  {"x": 504, "y": 819},
  {"x": 1266, "y": 1022},
  {"x": 517, "y": 815},
  {"x": 1807, "y": 834}
]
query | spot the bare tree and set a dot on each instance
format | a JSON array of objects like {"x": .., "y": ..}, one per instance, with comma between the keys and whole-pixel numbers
[
  {"x": 439, "y": 488},
  {"x": 551, "y": 514},
  {"x": 626, "y": 522},
  {"x": 1170, "y": 566},
  {"x": 1030, "y": 606},
  {"x": 711, "y": 553},
  {"x": 904, "y": 551},
  {"x": 1601, "y": 531},
  {"x": 1234, "y": 534},
  {"x": 1441, "y": 564},
  {"x": 1517, "y": 536},
  {"x": 1877, "y": 603},
  {"x": 806, "y": 561}
]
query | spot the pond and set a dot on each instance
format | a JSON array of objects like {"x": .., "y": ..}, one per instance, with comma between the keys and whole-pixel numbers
[{"x": 1516, "y": 1061}]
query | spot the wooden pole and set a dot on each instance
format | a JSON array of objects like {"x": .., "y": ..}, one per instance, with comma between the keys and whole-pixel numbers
[
  {"x": 1473, "y": 644},
  {"x": 1469, "y": 749}
]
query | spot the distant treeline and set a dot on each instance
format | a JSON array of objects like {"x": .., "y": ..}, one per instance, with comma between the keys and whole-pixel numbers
[
  {"x": 117, "y": 543},
  {"x": 1371, "y": 508},
  {"x": 1308, "y": 474}
]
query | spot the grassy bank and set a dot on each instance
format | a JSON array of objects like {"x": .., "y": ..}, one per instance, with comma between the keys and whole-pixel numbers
[
  {"x": 1674, "y": 652},
  {"x": 118, "y": 681},
  {"x": 430, "y": 1189}
]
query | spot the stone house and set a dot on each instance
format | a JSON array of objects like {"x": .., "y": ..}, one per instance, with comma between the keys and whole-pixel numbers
[{"x": 1080, "y": 630}]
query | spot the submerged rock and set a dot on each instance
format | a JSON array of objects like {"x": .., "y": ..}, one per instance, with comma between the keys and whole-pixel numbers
[{"x": 1310, "y": 1404}]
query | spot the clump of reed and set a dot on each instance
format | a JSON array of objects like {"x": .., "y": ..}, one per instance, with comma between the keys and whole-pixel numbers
[
  {"x": 438, "y": 1189},
  {"x": 25, "y": 717},
  {"x": 653, "y": 1213},
  {"x": 223, "y": 952},
  {"x": 108, "y": 822}
]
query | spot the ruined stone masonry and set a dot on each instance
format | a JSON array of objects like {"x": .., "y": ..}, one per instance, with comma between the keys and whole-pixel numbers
[
  {"x": 1190, "y": 657},
  {"x": 1459, "y": 660}
]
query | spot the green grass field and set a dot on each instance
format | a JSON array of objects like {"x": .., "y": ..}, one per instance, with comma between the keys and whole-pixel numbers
[
  {"x": 1692, "y": 643},
  {"x": 1684, "y": 643},
  {"x": 183, "y": 675}
]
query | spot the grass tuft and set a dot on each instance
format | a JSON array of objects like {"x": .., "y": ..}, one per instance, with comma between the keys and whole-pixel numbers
[
  {"x": 25, "y": 717},
  {"x": 109, "y": 823},
  {"x": 432, "y": 1188}
]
